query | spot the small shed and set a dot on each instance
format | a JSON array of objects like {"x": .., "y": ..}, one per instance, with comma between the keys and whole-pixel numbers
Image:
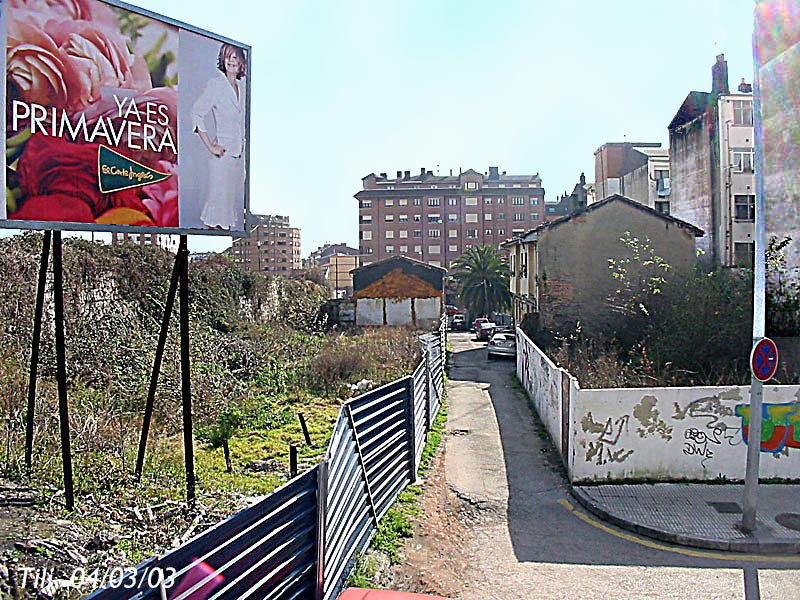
[{"x": 398, "y": 291}]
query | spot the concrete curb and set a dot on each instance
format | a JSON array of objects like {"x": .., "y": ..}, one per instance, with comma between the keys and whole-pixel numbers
[{"x": 758, "y": 544}]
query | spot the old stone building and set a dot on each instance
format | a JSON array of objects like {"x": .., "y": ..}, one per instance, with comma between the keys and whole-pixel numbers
[{"x": 560, "y": 271}]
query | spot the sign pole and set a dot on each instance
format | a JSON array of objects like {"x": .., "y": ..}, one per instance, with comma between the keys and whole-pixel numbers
[
  {"x": 186, "y": 385},
  {"x": 750, "y": 499}
]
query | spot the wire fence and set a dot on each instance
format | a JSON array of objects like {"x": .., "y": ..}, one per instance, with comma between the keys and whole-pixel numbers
[{"x": 302, "y": 540}]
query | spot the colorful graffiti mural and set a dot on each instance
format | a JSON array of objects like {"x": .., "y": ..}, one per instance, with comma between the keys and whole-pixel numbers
[{"x": 780, "y": 425}]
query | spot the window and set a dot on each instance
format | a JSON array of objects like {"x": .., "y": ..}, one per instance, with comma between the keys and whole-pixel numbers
[
  {"x": 417, "y": 201},
  {"x": 434, "y": 218},
  {"x": 435, "y": 263},
  {"x": 388, "y": 202},
  {"x": 487, "y": 200},
  {"x": 452, "y": 218},
  {"x": 389, "y": 249},
  {"x": 418, "y": 249},
  {"x": 534, "y": 216},
  {"x": 501, "y": 232},
  {"x": 452, "y": 248},
  {"x": 417, "y": 218},
  {"x": 534, "y": 201},
  {"x": 434, "y": 233},
  {"x": 744, "y": 207},
  {"x": 366, "y": 250},
  {"x": 518, "y": 217},
  {"x": 389, "y": 235},
  {"x": 404, "y": 233},
  {"x": 488, "y": 232},
  {"x": 434, "y": 249},
  {"x": 517, "y": 200},
  {"x": 742, "y": 112},
  {"x": 434, "y": 201},
  {"x": 743, "y": 254},
  {"x": 742, "y": 160},
  {"x": 389, "y": 218},
  {"x": 501, "y": 200},
  {"x": 403, "y": 248},
  {"x": 365, "y": 204},
  {"x": 418, "y": 233},
  {"x": 366, "y": 235},
  {"x": 366, "y": 219},
  {"x": 403, "y": 218},
  {"x": 472, "y": 218},
  {"x": 662, "y": 206},
  {"x": 472, "y": 233},
  {"x": 661, "y": 173},
  {"x": 453, "y": 233},
  {"x": 501, "y": 216},
  {"x": 471, "y": 185},
  {"x": 402, "y": 202},
  {"x": 471, "y": 201},
  {"x": 452, "y": 201}
]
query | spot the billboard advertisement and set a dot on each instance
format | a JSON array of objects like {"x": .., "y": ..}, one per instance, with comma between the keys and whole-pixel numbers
[
  {"x": 777, "y": 60},
  {"x": 121, "y": 120}
]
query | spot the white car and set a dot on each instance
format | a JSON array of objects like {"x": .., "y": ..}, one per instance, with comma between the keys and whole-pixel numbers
[{"x": 502, "y": 344}]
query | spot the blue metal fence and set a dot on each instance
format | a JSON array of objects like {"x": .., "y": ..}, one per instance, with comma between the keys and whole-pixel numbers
[{"x": 302, "y": 540}]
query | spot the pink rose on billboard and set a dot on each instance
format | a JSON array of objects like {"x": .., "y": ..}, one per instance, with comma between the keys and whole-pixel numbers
[
  {"x": 58, "y": 179},
  {"x": 98, "y": 57},
  {"x": 161, "y": 198},
  {"x": 69, "y": 10},
  {"x": 35, "y": 67}
]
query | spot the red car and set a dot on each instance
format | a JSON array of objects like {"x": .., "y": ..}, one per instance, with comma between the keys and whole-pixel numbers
[
  {"x": 360, "y": 594},
  {"x": 476, "y": 324}
]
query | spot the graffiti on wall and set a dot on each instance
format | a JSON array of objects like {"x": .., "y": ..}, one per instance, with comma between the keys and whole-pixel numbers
[
  {"x": 714, "y": 431},
  {"x": 603, "y": 449},
  {"x": 780, "y": 425}
]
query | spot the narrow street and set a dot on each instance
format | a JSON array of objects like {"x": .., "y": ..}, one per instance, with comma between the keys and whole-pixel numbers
[{"x": 499, "y": 523}]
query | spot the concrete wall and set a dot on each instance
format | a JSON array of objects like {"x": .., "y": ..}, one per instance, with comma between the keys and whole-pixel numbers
[
  {"x": 691, "y": 194},
  {"x": 658, "y": 434},
  {"x": 637, "y": 184},
  {"x": 398, "y": 312},
  {"x": 668, "y": 434},
  {"x": 369, "y": 311},
  {"x": 419, "y": 312},
  {"x": 427, "y": 311},
  {"x": 574, "y": 276}
]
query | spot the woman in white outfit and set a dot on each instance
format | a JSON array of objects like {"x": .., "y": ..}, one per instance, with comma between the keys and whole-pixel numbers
[{"x": 223, "y": 99}]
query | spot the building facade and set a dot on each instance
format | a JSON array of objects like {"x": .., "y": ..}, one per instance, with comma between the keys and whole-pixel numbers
[
  {"x": 337, "y": 261},
  {"x": 713, "y": 183},
  {"x": 560, "y": 273},
  {"x": 582, "y": 195},
  {"x": 639, "y": 171},
  {"x": 165, "y": 241},
  {"x": 273, "y": 246},
  {"x": 434, "y": 219}
]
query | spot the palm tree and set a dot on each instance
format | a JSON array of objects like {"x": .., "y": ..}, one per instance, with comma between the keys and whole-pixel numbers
[{"x": 482, "y": 275}]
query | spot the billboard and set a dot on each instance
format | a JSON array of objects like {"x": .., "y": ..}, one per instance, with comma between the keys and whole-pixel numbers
[{"x": 121, "y": 120}]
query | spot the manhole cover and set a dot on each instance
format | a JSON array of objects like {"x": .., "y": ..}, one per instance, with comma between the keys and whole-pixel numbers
[
  {"x": 726, "y": 508},
  {"x": 789, "y": 520}
]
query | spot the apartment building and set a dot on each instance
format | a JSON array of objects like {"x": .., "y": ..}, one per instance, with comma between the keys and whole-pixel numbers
[
  {"x": 434, "y": 218},
  {"x": 273, "y": 245},
  {"x": 337, "y": 261},
  {"x": 636, "y": 170},
  {"x": 713, "y": 182},
  {"x": 165, "y": 241}
]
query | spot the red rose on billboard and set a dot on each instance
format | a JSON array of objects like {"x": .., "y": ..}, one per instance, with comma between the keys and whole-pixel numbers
[
  {"x": 161, "y": 198},
  {"x": 58, "y": 180},
  {"x": 70, "y": 10}
]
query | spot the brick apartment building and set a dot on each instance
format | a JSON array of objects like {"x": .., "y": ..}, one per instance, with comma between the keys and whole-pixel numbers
[
  {"x": 435, "y": 218},
  {"x": 272, "y": 247},
  {"x": 166, "y": 241}
]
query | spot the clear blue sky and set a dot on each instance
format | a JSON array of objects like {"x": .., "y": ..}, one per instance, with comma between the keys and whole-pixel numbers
[{"x": 343, "y": 88}]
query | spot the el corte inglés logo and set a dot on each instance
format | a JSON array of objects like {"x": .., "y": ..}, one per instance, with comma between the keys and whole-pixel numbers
[{"x": 117, "y": 172}]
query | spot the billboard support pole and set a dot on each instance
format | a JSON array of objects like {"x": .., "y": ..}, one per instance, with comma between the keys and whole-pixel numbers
[
  {"x": 61, "y": 370},
  {"x": 162, "y": 342},
  {"x": 186, "y": 387},
  {"x": 37, "y": 336}
]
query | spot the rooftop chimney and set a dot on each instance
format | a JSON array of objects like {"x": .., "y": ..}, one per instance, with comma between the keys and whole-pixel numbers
[
  {"x": 422, "y": 171},
  {"x": 399, "y": 174},
  {"x": 493, "y": 173},
  {"x": 408, "y": 174},
  {"x": 383, "y": 175},
  {"x": 719, "y": 77},
  {"x": 583, "y": 179},
  {"x": 745, "y": 88}
]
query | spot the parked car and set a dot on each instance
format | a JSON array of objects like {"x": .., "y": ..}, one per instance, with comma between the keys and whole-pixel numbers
[
  {"x": 476, "y": 324},
  {"x": 502, "y": 344},
  {"x": 485, "y": 331},
  {"x": 361, "y": 594},
  {"x": 459, "y": 322},
  {"x": 450, "y": 309}
]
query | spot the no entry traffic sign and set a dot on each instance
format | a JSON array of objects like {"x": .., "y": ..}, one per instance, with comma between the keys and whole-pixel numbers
[{"x": 764, "y": 359}]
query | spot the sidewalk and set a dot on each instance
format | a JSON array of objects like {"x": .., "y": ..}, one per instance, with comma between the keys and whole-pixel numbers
[{"x": 700, "y": 515}]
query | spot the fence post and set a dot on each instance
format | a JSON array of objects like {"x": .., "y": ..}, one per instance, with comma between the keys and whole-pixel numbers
[
  {"x": 411, "y": 431},
  {"x": 373, "y": 510},
  {"x": 428, "y": 417},
  {"x": 322, "y": 518}
]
